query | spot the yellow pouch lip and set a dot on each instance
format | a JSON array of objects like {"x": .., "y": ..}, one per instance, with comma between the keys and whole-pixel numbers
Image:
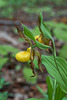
[{"x": 23, "y": 56}]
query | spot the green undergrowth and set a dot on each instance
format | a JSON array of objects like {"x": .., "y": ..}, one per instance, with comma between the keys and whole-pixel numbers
[
  {"x": 6, "y": 53},
  {"x": 27, "y": 73},
  {"x": 8, "y": 8}
]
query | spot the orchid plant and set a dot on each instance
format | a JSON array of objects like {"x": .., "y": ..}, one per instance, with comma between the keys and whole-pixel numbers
[{"x": 56, "y": 66}]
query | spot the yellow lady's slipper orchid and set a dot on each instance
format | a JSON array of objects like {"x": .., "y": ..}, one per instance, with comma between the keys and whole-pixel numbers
[
  {"x": 43, "y": 40},
  {"x": 23, "y": 56},
  {"x": 39, "y": 38}
]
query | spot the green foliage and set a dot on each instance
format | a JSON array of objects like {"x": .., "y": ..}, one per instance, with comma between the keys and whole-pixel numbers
[
  {"x": 60, "y": 73},
  {"x": 36, "y": 63},
  {"x": 18, "y": 67},
  {"x": 63, "y": 52},
  {"x": 29, "y": 3},
  {"x": 7, "y": 13},
  {"x": 2, "y": 83},
  {"x": 27, "y": 72},
  {"x": 65, "y": 98},
  {"x": 36, "y": 31},
  {"x": 2, "y": 4},
  {"x": 59, "y": 30},
  {"x": 37, "y": 10},
  {"x": 3, "y": 96},
  {"x": 8, "y": 7},
  {"x": 59, "y": 2},
  {"x": 42, "y": 92},
  {"x": 60, "y": 34},
  {"x": 21, "y": 40},
  {"x": 38, "y": 99},
  {"x": 54, "y": 24},
  {"x": 2, "y": 62},
  {"x": 5, "y": 49}
]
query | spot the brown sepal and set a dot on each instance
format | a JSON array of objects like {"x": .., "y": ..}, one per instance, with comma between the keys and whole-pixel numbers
[
  {"x": 32, "y": 67},
  {"x": 39, "y": 62}
]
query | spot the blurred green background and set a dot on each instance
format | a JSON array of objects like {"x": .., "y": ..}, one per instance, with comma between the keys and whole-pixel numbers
[{"x": 9, "y": 7}]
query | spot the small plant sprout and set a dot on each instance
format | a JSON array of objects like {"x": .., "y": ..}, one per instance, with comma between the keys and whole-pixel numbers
[{"x": 56, "y": 66}]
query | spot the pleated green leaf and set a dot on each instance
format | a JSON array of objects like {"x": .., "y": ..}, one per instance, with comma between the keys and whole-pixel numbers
[
  {"x": 42, "y": 46},
  {"x": 59, "y": 74},
  {"x": 28, "y": 33}
]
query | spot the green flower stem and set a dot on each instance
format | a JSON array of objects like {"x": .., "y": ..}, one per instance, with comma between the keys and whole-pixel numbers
[
  {"x": 54, "y": 89},
  {"x": 54, "y": 47},
  {"x": 55, "y": 83},
  {"x": 54, "y": 53}
]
